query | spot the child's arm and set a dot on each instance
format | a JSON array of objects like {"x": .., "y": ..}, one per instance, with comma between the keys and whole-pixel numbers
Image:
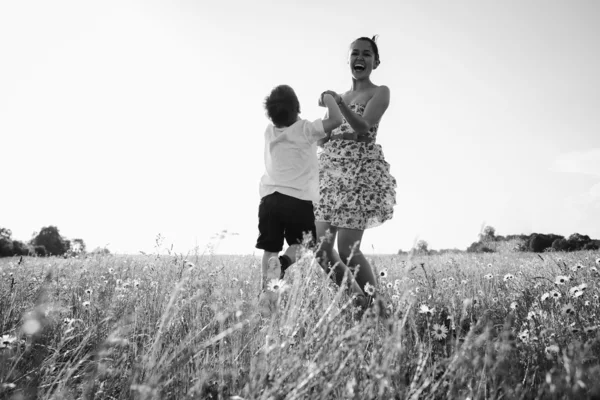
[{"x": 321, "y": 142}]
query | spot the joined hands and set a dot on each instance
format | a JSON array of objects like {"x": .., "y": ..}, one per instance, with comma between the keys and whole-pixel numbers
[{"x": 336, "y": 97}]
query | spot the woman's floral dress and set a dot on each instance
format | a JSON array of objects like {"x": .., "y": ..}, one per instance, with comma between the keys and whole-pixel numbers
[{"x": 356, "y": 188}]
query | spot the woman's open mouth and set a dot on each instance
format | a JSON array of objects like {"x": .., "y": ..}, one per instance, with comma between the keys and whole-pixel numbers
[{"x": 359, "y": 67}]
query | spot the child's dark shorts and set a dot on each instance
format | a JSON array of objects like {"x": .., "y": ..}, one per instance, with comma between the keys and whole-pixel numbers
[{"x": 281, "y": 216}]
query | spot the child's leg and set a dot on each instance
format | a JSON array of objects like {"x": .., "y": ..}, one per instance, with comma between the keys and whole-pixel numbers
[
  {"x": 269, "y": 269},
  {"x": 288, "y": 258}
]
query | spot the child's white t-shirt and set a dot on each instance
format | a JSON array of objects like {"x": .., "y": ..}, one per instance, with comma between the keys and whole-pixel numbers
[{"x": 291, "y": 165}]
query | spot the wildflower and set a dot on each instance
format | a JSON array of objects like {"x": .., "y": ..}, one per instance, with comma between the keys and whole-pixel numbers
[
  {"x": 488, "y": 276},
  {"x": 111, "y": 270},
  {"x": 395, "y": 297},
  {"x": 189, "y": 264},
  {"x": 480, "y": 293},
  {"x": 443, "y": 280},
  {"x": 494, "y": 299},
  {"x": 545, "y": 296},
  {"x": 369, "y": 289},
  {"x": 397, "y": 282},
  {"x": 513, "y": 305},
  {"x": 561, "y": 279},
  {"x": 463, "y": 282},
  {"x": 586, "y": 303},
  {"x": 390, "y": 285},
  {"x": 490, "y": 265},
  {"x": 583, "y": 287},
  {"x": 574, "y": 330},
  {"x": 595, "y": 297},
  {"x": 524, "y": 335},
  {"x": 591, "y": 329},
  {"x": 86, "y": 304},
  {"x": 573, "y": 292},
  {"x": 6, "y": 341},
  {"x": 594, "y": 269},
  {"x": 88, "y": 291},
  {"x": 567, "y": 310},
  {"x": 424, "y": 309},
  {"x": 577, "y": 267},
  {"x": 276, "y": 285},
  {"x": 383, "y": 273},
  {"x": 552, "y": 349},
  {"x": 136, "y": 283},
  {"x": 439, "y": 331},
  {"x": 417, "y": 289},
  {"x": 68, "y": 321},
  {"x": 555, "y": 294},
  {"x": 450, "y": 279},
  {"x": 530, "y": 315},
  {"x": 508, "y": 277},
  {"x": 598, "y": 261}
]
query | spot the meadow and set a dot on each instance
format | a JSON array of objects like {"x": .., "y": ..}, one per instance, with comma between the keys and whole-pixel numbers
[{"x": 505, "y": 325}]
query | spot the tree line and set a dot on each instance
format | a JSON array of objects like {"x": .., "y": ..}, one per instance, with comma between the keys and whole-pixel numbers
[
  {"x": 489, "y": 242},
  {"x": 47, "y": 242}
]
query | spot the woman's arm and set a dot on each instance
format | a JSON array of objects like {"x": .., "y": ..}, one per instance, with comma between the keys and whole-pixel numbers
[{"x": 372, "y": 114}]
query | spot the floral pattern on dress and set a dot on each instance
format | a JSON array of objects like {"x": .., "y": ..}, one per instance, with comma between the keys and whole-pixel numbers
[{"x": 356, "y": 188}]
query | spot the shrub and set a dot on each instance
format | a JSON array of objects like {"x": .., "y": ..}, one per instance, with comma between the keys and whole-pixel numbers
[{"x": 40, "y": 251}]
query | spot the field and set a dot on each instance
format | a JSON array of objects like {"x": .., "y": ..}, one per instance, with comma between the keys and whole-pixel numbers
[{"x": 460, "y": 326}]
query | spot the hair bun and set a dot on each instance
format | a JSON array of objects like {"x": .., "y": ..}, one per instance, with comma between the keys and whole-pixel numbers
[{"x": 374, "y": 38}]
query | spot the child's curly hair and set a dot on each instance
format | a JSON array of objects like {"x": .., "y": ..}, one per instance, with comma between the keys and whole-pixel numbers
[{"x": 282, "y": 106}]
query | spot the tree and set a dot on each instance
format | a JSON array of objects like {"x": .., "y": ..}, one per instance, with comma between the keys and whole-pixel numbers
[
  {"x": 20, "y": 248},
  {"x": 577, "y": 241},
  {"x": 422, "y": 247},
  {"x": 78, "y": 246},
  {"x": 50, "y": 238},
  {"x": 6, "y": 248},
  {"x": 560, "y": 245},
  {"x": 488, "y": 234},
  {"x": 5, "y": 233},
  {"x": 538, "y": 242}
]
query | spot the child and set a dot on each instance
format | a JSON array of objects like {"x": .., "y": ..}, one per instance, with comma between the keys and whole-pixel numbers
[{"x": 290, "y": 184}]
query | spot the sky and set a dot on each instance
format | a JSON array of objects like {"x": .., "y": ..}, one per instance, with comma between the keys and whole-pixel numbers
[{"x": 121, "y": 120}]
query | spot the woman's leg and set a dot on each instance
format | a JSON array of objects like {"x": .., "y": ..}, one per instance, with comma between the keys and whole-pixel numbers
[
  {"x": 349, "y": 248},
  {"x": 328, "y": 257}
]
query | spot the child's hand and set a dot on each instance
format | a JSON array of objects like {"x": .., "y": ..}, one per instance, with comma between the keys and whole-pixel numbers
[{"x": 336, "y": 97}]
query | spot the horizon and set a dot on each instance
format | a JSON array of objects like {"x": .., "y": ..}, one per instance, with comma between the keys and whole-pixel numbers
[{"x": 124, "y": 120}]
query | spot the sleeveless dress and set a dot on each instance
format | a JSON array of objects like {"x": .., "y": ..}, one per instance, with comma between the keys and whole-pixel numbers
[{"x": 356, "y": 188}]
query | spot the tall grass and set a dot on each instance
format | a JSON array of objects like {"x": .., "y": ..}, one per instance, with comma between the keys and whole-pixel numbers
[{"x": 169, "y": 327}]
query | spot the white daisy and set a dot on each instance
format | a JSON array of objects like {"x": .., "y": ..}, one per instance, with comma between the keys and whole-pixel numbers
[
  {"x": 424, "y": 309},
  {"x": 545, "y": 296}
]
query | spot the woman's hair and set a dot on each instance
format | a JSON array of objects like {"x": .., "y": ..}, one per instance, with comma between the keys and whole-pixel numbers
[
  {"x": 373, "y": 43},
  {"x": 282, "y": 106}
]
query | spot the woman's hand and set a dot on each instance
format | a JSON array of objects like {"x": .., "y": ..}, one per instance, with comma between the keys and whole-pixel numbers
[{"x": 336, "y": 97}]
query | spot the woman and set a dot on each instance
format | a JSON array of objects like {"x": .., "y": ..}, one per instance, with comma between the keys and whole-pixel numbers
[{"x": 356, "y": 188}]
